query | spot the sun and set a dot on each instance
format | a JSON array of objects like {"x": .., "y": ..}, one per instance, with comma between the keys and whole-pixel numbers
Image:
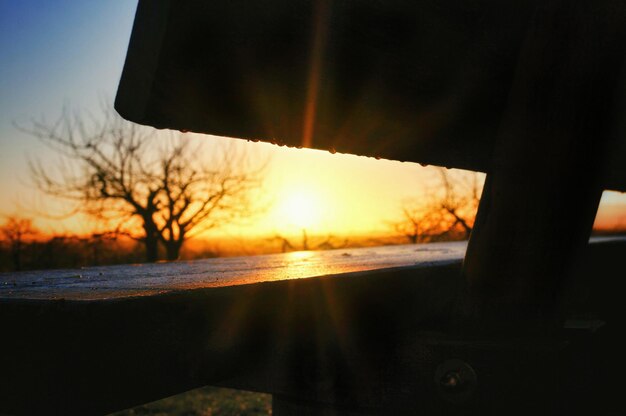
[{"x": 300, "y": 208}]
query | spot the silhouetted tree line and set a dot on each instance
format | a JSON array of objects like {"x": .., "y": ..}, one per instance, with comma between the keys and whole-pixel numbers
[{"x": 33, "y": 251}]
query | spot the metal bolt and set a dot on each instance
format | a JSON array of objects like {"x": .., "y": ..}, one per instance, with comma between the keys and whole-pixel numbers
[
  {"x": 451, "y": 380},
  {"x": 456, "y": 380}
]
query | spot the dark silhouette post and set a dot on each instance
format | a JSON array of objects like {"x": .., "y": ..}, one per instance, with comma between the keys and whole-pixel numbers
[{"x": 540, "y": 198}]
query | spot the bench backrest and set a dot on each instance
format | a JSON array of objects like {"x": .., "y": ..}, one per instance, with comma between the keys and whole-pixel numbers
[{"x": 421, "y": 80}]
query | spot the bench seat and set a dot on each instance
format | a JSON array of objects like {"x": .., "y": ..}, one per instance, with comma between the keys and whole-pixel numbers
[{"x": 366, "y": 326}]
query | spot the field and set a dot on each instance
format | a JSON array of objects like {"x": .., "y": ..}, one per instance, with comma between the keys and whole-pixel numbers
[{"x": 206, "y": 401}]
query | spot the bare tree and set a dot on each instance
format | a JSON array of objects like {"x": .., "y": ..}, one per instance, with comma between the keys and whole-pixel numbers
[
  {"x": 420, "y": 223},
  {"x": 461, "y": 195},
  {"x": 446, "y": 208},
  {"x": 136, "y": 182},
  {"x": 17, "y": 232}
]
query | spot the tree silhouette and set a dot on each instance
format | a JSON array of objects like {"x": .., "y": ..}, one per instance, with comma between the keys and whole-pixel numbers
[
  {"x": 461, "y": 195},
  {"x": 17, "y": 232},
  {"x": 155, "y": 189},
  {"x": 445, "y": 211},
  {"x": 420, "y": 223}
]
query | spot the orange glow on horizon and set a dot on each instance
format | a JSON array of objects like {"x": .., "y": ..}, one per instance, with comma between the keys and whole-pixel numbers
[{"x": 325, "y": 194}]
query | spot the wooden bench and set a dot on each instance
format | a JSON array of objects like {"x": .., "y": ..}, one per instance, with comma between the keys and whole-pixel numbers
[
  {"x": 372, "y": 330},
  {"x": 530, "y": 92}
]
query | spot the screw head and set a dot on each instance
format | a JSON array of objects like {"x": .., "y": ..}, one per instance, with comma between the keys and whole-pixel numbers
[
  {"x": 455, "y": 380},
  {"x": 451, "y": 380}
]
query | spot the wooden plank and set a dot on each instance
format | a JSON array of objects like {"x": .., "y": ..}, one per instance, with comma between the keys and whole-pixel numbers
[
  {"x": 110, "y": 282},
  {"x": 85, "y": 354},
  {"x": 410, "y": 80}
]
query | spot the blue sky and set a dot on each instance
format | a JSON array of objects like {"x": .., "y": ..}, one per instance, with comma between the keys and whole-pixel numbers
[{"x": 51, "y": 53}]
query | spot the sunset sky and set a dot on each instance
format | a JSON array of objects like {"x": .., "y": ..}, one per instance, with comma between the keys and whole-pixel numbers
[{"x": 71, "y": 52}]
